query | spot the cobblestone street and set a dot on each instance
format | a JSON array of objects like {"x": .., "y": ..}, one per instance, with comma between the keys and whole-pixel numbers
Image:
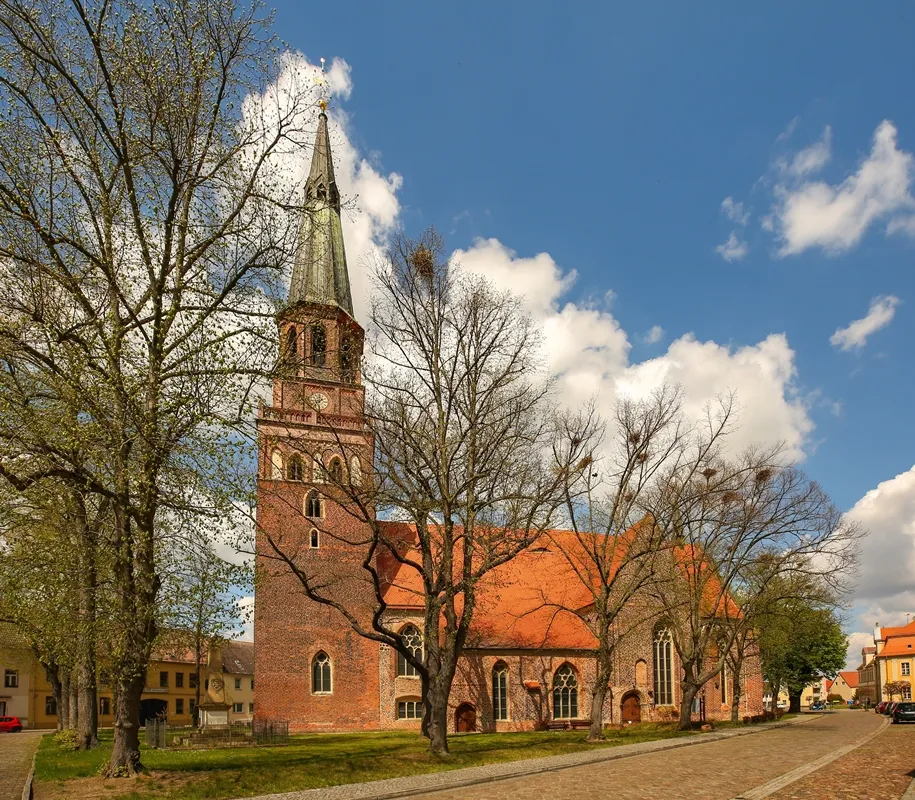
[
  {"x": 716, "y": 771},
  {"x": 16, "y": 751}
]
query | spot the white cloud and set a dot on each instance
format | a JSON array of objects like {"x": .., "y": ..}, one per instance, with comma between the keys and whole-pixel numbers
[
  {"x": 813, "y": 158},
  {"x": 734, "y": 249},
  {"x": 854, "y": 335},
  {"x": 857, "y": 640},
  {"x": 885, "y": 586},
  {"x": 734, "y": 211},
  {"x": 810, "y": 214},
  {"x": 589, "y": 351},
  {"x": 654, "y": 335}
]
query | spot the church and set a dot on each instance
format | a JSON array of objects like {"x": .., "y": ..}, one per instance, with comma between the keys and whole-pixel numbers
[{"x": 525, "y": 667}]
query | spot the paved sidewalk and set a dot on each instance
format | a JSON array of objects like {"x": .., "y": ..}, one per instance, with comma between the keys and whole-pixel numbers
[
  {"x": 882, "y": 769},
  {"x": 16, "y": 752},
  {"x": 674, "y": 768}
]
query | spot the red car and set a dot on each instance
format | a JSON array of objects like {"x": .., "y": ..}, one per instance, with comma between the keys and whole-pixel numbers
[
  {"x": 881, "y": 707},
  {"x": 10, "y": 725}
]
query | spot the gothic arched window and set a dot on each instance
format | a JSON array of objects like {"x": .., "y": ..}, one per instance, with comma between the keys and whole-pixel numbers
[
  {"x": 276, "y": 465},
  {"x": 348, "y": 359},
  {"x": 355, "y": 471},
  {"x": 565, "y": 693},
  {"x": 663, "y": 667},
  {"x": 413, "y": 641},
  {"x": 314, "y": 508},
  {"x": 291, "y": 351},
  {"x": 294, "y": 471},
  {"x": 500, "y": 691},
  {"x": 335, "y": 471},
  {"x": 320, "y": 674},
  {"x": 318, "y": 345},
  {"x": 314, "y": 539}
]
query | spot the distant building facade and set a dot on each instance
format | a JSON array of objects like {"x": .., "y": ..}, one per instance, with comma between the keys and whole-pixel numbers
[{"x": 890, "y": 660}]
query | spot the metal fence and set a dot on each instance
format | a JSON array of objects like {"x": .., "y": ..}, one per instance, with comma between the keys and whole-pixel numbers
[{"x": 160, "y": 734}]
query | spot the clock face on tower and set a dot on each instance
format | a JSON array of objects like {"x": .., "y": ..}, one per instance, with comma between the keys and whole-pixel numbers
[{"x": 318, "y": 401}]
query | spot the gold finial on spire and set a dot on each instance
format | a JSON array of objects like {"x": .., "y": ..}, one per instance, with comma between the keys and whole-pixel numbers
[{"x": 323, "y": 88}]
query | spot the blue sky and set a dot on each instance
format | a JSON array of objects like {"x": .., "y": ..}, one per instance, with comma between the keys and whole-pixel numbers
[{"x": 547, "y": 138}]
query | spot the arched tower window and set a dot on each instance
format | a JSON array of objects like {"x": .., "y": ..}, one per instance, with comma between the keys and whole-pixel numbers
[
  {"x": 413, "y": 641},
  {"x": 335, "y": 471},
  {"x": 276, "y": 465},
  {"x": 318, "y": 473},
  {"x": 348, "y": 359},
  {"x": 318, "y": 345},
  {"x": 320, "y": 674},
  {"x": 294, "y": 471},
  {"x": 314, "y": 507},
  {"x": 565, "y": 693},
  {"x": 663, "y": 667},
  {"x": 500, "y": 691},
  {"x": 314, "y": 539},
  {"x": 355, "y": 471},
  {"x": 291, "y": 350}
]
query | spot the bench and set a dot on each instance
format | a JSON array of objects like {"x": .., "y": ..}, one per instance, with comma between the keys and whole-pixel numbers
[{"x": 568, "y": 724}]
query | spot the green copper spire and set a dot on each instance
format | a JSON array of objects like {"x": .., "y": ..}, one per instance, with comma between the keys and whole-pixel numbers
[{"x": 319, "y": 272}]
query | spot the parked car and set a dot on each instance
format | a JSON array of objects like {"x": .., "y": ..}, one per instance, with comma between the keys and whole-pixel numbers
[
  {"x": 817, "y": 705},
  {"x": 888, "y": 711},
  {"x": 880, "y": 707},
  {"x": 10, "y": 724},
  {"x": 904, "y": 712}
]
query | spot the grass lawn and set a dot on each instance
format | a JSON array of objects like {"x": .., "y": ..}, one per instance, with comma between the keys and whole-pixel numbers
[{"x": 307, "y": 762}]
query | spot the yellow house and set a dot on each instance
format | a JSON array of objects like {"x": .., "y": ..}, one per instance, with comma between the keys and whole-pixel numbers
[
  {"x": 229, "y": 684},
  {"x": 895, "y": 657},
  {"x": 170, "y": 690},
  {"x": 16, "y": 668},
  {"x": 845, "y": 685}
]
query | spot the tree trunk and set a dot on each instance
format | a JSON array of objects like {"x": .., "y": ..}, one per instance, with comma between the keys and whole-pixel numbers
[
  {"x": 88, "y": 706},
  {"x": 599, "y": 695},
  {"x": 63, "y": 702},
  {"x": 689, "y": 690},
  {"x": 794, "y": 702},
  {"x": 736, "y": 691},
  {"x": 52, "y": 672},
  {"x": 438, "y": 722},
  {"x": 73, "y": 700},
  {"x": 125, "y": 752}
]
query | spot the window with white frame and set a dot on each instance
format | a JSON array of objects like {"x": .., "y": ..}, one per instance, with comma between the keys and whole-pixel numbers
[
  {"x": 663, "y": 672},
  {"x": 906, "y": 668},
  {"x": 314, "y": 539},
  {"x": 565, "y": 693},
  {"x": 320, "y": 674},
  {"x": 412, "y": 641},
  {"x": 11, "y": 679},
  {"x": 907, "y": 691},
  {"x": 500, "y": 691},
  {"x": 238, "y": 708},
  {"x": 409, "y": 709}
]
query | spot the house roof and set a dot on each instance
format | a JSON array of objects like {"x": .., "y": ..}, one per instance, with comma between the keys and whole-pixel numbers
[
  {"x": 530, "y": 601},
  {"x": 870, "y": 649},
  {"x": 829, "y": 684},
  {"x": 850, "y": 677},
  {"x": 899, "y": 646},
  {"x": 902, "y": 630},
  {"x": 238, "y": 657}
]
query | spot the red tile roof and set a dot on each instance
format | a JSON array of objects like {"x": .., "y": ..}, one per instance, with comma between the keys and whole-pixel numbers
[
  {"x": 530, "y": 601},
  {"x": 903, "y": 630},
  {"x": 899, "y": 646},
  {"x": 850, "y": 677}
]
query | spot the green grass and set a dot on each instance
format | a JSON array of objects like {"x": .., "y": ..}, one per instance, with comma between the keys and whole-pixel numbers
[{"x": 308, "y": 762}]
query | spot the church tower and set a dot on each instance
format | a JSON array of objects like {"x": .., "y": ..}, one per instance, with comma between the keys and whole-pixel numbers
[{"x": 311, "y": 668}]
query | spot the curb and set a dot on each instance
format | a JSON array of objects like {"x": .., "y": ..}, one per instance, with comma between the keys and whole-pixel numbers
[
  {"x": 910, "y": 792},
  {"x": 27, "y": 789},
  {"x": 441, "y": 781}
]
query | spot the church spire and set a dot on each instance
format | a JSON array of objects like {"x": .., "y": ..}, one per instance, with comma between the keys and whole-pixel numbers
[{"x": 319, "y": 273}]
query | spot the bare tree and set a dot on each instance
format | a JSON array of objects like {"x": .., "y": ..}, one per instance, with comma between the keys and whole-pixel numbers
[
  {"x": 142, "y": 239},
  {"x": 734, "y": 524},
  {"x": 462, "y": 427},
  {"x": 613, "y": 547}
]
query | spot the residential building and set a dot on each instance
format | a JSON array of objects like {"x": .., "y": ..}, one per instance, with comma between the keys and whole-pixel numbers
[
  {"x": 892, "y": 660},
  {"x": 229, "y": 684},
  {"x": 16, "y": 667},
  {"x": 845, "y": 685},
  {"x": 815, "y": 692},
  {"x": 525, "y": 662}
]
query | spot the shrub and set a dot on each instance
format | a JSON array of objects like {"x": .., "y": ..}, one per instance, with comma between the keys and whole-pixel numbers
[
  {"x": 67, "y": 739},
  {"x": 834, "y": 698}
]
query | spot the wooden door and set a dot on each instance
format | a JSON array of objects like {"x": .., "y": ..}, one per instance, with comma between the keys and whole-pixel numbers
[
  {"x": 465, "y": 718},
  {"x": 632, "y": 708}
]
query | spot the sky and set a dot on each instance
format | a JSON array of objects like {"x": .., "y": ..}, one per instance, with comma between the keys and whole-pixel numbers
[{"x": 708, "y": 194}]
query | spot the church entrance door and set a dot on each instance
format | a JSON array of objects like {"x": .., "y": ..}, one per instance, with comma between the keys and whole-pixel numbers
[
  {"x": 465, "y": 718},
  {"x": 631, "y": 708}
]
